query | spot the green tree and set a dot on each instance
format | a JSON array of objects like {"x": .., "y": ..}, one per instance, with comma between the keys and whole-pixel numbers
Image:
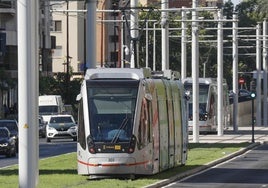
[
  {"x": 57, "y": 86},
  {"x": 263, "y": 8}
]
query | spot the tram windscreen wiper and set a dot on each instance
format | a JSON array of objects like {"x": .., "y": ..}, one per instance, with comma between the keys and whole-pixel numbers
[{"x": 118, "y": 133}]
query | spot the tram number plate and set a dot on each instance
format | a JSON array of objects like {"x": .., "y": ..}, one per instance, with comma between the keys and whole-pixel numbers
[{"x": 117, "y": 147}]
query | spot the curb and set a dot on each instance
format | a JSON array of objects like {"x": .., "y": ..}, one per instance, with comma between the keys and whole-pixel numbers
[{"x": 201, "y": 168}]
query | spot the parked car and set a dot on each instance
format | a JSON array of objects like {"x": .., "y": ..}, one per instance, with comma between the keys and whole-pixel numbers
[
  {"x": 7, "y": 143},
  {"x": 243, "y": 95},
  {"x": 12, "y": 126},
  {"x": 42, "y": 127},
  {"x": 61, "y": 126}
]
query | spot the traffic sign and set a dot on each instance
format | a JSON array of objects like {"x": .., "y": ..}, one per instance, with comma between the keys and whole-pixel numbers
[{"x": 241, "y": 81}]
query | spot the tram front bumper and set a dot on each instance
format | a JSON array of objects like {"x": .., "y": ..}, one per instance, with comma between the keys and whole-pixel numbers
[{"x": 111, "y": 165}]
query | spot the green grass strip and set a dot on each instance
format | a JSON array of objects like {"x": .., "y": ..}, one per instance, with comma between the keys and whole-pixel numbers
[{"x": 61, "y": 171}]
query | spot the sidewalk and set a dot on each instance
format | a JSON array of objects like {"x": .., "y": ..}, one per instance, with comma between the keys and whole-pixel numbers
[{"x": 244, "y": 134}]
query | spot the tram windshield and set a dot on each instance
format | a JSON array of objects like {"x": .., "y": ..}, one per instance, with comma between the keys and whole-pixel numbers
[
  {"x": 111, "y": 109},
  {"x": 203, "y": 97}
]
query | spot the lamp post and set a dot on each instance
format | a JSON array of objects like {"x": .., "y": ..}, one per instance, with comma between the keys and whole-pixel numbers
[{"x": 253, "y": 95}]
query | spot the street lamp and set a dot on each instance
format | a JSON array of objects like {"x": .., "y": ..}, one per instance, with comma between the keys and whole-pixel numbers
[{"x": 253, "y": 96}]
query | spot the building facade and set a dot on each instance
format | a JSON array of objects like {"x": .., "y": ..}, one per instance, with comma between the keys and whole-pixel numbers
[
  {"x": 62, "y": 38},
  {"x": 8, "y": 55},
  {"x": 67, "y": 28}
]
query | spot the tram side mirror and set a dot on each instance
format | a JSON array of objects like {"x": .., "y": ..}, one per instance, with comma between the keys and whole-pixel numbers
[
  {"x": 187, "y": 95},
  {"x": 78, "y": 97}
]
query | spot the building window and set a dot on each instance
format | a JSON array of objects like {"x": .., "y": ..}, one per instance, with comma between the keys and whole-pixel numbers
[
  {"x": 57, "y": 52},
  {"x": 113, "y": 38},
  {"x": 56, "y": 26},
  {"x": 114, "y": 56}
]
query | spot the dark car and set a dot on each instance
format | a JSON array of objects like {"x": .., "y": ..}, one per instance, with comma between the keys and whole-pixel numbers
[
  {"x": 12, "y": 126},
  {"x": 7, "y": 143},
  {"x": 42, "y": 127},
  {"x": 243, "y": 95}
]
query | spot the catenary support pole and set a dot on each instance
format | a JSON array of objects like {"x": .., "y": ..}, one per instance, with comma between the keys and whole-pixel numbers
[
  {"x": 122, "y": 43},
  {"x": 195, "y": 73},
  {"x": 220, "y": 74},
  {"x": 235, "y": 72},
  {"x": 28, "y": 45},
  {"x": 164, "y": 34},
  {"x": 258, "y": 68},
  {"x": 154, "y": 50},
  {"x": 91, "y": 34},
  {"x": 147, "y": 46},
  {"x": 183, "y": 45},
  {"x": 265, "y": 111},
  {"x": 133, "y": 33}
]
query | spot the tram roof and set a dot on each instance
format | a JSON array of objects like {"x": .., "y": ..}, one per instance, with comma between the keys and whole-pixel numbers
[
  {"x": 202, "y": 80},
  {"x": 111, "y": 73},
  {"x": 128, "y": 73}
]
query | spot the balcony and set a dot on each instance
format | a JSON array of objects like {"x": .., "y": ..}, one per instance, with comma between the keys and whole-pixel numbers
[{"x": 7, "y": 6}]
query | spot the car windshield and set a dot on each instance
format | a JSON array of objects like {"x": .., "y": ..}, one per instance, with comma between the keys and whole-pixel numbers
[
  {"x": 66, "y": 119},
  {"x": 12, "y": 126},
  {"x": 3, "y": 133}
]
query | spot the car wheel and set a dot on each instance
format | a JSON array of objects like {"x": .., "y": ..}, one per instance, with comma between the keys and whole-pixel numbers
[{"x": 14, "y": 153}]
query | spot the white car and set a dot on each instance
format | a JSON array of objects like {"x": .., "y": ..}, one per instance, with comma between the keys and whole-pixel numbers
[{"x": 61, "y": 126}]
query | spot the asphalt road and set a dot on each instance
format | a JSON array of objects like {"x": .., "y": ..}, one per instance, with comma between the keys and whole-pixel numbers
[
  {"x": 249, "y": 170},
  {"x": 56, "y": 147}
]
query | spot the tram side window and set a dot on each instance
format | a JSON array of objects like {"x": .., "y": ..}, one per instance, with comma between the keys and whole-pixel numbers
[
  {"x": 144, "y": 131},
  {"x": 81, "y": 126}
]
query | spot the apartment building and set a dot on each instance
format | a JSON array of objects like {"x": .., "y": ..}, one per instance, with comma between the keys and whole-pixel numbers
[
  {"x": 9, "y": 50},
  {"x": 8, "y": 54},
  {"x": 67, "y": 28}
]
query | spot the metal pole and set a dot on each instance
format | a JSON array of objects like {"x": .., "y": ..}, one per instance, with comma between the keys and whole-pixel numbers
[
  {"x": 258, "y": 67},
  {"x": 195, "y": 74},
  {"x": 154, "y": 48},
  {"x": 220, "y": 74},
  {"x": 235, "y": 72},
  {"x": 183, "y": 45},
  {"x": 204, "y": 71},
  {"x": 147, "y": 43},
  {"x": 164, "y": 31},
  {"x": 122, "y": 43},
  {"x": 252, "y": 120},
  {"x": 133, "y": 32},
  {"x": 265, "y": 111},
  {"x": 68, "y": 55},
  {"x": 91, "y": 34},
  {"x": 28, "y": 45}
]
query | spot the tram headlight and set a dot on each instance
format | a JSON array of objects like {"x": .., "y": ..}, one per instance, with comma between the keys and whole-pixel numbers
[
  {"x": 132, "y": 144},
  {"x": 91, "y": 145}
]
